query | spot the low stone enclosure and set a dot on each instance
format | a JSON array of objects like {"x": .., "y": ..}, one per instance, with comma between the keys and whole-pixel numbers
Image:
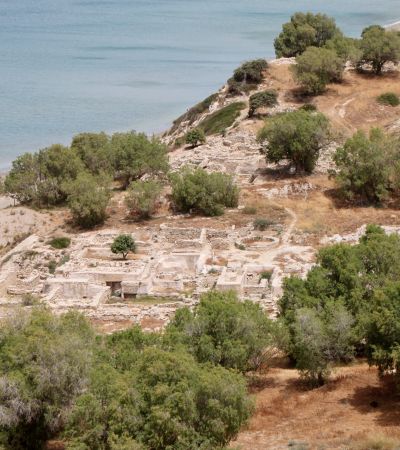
[{"x": 172, "y": 267}]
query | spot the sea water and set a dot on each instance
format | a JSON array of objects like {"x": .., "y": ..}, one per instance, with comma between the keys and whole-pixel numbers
[{"x": 68, "y": 66}]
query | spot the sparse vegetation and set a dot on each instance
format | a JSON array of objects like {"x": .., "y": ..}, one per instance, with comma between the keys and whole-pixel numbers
[
  {"x": 261, "y": 224},
  {"x": 296, "y": 136},
  {"x": 219, "y": 121},
  {"x": 198, "y": 191},
  {"x": 60, "y": 243},
  {"x": 123, "y": 244},
  {"x": 262, "y": 99},
  {"x": 389, "y": 99},
  {"x": 249, "y": 210}
]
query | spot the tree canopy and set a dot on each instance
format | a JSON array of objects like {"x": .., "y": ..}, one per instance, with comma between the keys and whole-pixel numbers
[
  {"x": 296, "y": 136},
  {"x": 378, "y": 47},
  {"x": 305, "y": 30},
  {"x": 317, "y": 67},
  {"x": 206, "y": 193}
]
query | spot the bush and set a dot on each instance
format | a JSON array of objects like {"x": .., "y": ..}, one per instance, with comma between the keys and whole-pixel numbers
[
  {"x": 379, "y": 47},
  {"x": 195, "y": 137},
  {"x": 389, "y": 98},
  {"x": 123, "y": 244},
  {"x": 60, "y": 243},
  {"x": 219, "y": 121},
  {"x": 261, "y": 100},
  {"x": 309, "y": 107},
  {"x": 88, "y": 198},
  {"x": 304, "y": 30},
  {"x": 38, "y": 179},
  {"x": 142, "y": 198},
  {"x": 251, "y": 72},
  {"x": 134, "y": 155},
  {"x": 317, "y": 67},
  {"x": 225, "y": 331},
  {"x": 348, "y": 49},
  {"x": 94, "y": 149},
  {"x": 367, "y": 167},
  {"x": 348, "y": 298},
  {"x": 297, "y": 136},
  {"x": 261, "y": 224},
  {"x": 205, "y": 193},
  {"x": 38, "y": 387},
  {"x": 52, "y": 266}
]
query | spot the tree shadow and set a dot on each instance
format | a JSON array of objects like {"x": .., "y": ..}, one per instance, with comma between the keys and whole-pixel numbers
[{"x": 383, "y": 399}]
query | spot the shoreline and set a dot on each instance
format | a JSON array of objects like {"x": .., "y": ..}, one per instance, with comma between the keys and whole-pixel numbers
[{"x": 394, "y": 26}]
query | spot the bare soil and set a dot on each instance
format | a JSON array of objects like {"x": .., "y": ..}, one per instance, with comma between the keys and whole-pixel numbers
[{"x": 354, "y": 404}]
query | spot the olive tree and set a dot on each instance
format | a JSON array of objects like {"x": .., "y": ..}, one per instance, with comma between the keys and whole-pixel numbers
[
  {"x": 225, "y": 331},
  {"x": 378, "y": 47},
  {"x": 304, "y": 30},
  {"x": 296, "y": 136},
  {"x": 317, "y": 67},
  {"x": 135, "y": 154},
  {"x": 88, "y": 198},
  {"x": 367, "y": 166},
  {"x": 206, "y": 193},
  {"x": 123, "y": 244},
  {"x": 195, "y": 137}
]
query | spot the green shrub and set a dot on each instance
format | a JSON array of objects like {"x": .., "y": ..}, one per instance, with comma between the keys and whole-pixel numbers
[
  {"x": 94, "y": 149},
  {"x": 240, "y": 246},
  {"x": 195, "y": 137},
  {"x": 389, "y": 98},
  {"x": 303, "y": 31},
  {"x": 262, "y": 224},
  {"x": 135, "y": 155},
  {"x": 142, "y": 198},
  {"x": 309, "y": 107},
  {"x": 88, "y": 198},
  {"x": 317, "y": 67},
  {"x": 350, "y": 297},
  {"x": 203, "y": 192},
  {"x": 296, "y": 136},
  {"x": 378, "y": 47},
  {"x": 266, "y": 275},
  {"x": 123, "y": 244},
  {"x": 52, "y": 266},
  {"x": 367, "y": 167},
  {"x": 261, "y": 100},
  {"x": 225, "y": 331},
  {"x": 219, "y": 121},
  {"x": 251, "y": 72},
  {"x": 60, "y": 243},
  {"x": 247, "y": 77},
  {"x": 39, "y": 387},
  {"x": 38, "y": 178}
]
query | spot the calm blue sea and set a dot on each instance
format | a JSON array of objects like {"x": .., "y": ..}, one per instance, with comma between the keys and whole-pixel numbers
[{"x": 88, "y": 65}]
